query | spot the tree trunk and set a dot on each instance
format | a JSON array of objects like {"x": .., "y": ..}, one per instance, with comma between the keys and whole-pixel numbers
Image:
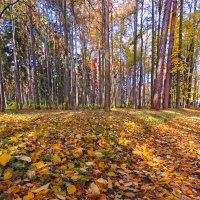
[
  {"x": 141, "y": 58},
  {"x": 167, "y": 85},
  {"x": 16, "y": 66},
  {"x": 34, "y": 66},
  {"x": 191, "y": 63},
  {"x": 67, "y": 70},
  {"x": 2, "y": 89},
  {"x": 161, "y": 58},
  {"x": 135, "y": 57},
  {"x": 153, "y": 53},
  {"x": 107, "y": 56},
  {"x": 180, "y": 54}
]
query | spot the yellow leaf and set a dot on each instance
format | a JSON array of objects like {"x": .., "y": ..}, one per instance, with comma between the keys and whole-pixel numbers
[
  {"x": 98, "y": 154},
  {"x": 111, "y": 174},
  {"x": 11, "y": 148},
  {"x": 29, "y": 196},
  {"x": 56, "y": 159},
  {"x": 146, "y": 187},
  {"x": 57, "y": 146},
  {"x": 4, "y": 159},
  {"x": 71, "y": 165},
  {"x": 102, "y": 165},
  {"x": 123, "y": 166},
  {"x": 78, "y": 153},
  {"x": 34, "y": 156},
  {"x": 7, "y": 175},
  {"x": 91, "y": 153},
  {"x": 71, "y": 189},
  {"x": 137, "y": 180},
  {"x": 110, "y": 185},
  {"x": 39, "y": 164},
  {"x": 69, "y": 173},
  {"x": 13, "y": 139},
  {"x": 14, "y": 189}
]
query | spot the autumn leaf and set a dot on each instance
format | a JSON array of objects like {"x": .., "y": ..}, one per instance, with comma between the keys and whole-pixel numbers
[
  {"x": 39, "y": 164},
  {"x": 123, "y": 166},
  {"x": 56, "y": 159},
  {"x": 70, "y": 165},
  {"x": 69, "y": 173},
  {"x": 29, "y": 196},
  {"x": 111, "y": 174},
  {"x": 110, "y": 185},
  {"x": 14, "y": 189},
  {"x": 71, "y": 189},
  {"x": 30, "y": 174},
  {"x": 93, "y": 191},
  {"x": 4, "y": 159},
  {"x": 44, "y": 187},
  {"x": 78, "y": 153},
  {"x": 98, "y": 154},
  {"x": 102, "y": 181},
  {"x": 101, "y": 165},
  {"x": 24, "y": 158},
  {"x": 13, "y": 139},
  {"x": 7, "y": 175}
]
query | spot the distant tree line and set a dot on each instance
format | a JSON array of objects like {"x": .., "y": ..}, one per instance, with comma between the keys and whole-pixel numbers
[{"x": 70, "y": 54}]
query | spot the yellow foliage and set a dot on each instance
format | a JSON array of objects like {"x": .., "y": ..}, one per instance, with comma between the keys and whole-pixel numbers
[
  {"x": 71, "y": 189},
  {"x": 4, "y": 159}
]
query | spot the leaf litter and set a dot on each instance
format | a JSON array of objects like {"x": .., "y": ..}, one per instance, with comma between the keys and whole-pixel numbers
[{"x": 97, "y": 155}]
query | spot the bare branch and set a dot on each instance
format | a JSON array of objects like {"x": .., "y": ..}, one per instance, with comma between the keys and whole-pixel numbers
[{"x": 6, "y": 7}]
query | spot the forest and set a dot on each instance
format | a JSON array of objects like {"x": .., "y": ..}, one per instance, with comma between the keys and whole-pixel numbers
[
  {"x": 99, "y": 99},
  {"x": 70, "y": 54}
]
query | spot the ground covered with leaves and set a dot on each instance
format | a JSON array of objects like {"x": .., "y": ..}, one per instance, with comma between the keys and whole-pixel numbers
[{"x": 124, "y": 154}]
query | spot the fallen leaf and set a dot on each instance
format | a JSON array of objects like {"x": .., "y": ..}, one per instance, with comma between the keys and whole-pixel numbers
[
  {"x": 102, "y": 165},
  {"x": 98, "y": 154},
  {"x": 110, "y": 185},
  {"x": 13, "y": 139},
  {"x": 71, "y": 189},
  {"x": 111, "y": 174},
  {"x": 14, "y": 189},
  {"x": 70, "y": 165},
  {"x": 30, "y": 174},
  {"x": 93, "y": 190},
  {"x": 7, "y": 175},
  {"x": 24, "y": 158},
  {"x": 41, "y": 188},
  {"x": 39, "y": 164},
  {"x": 123, "y": 166},
  {"x": 56, "y": 159},
  {"x": 61, "y": 196},
  {"x": 102, "y": 181},
  {"x": 29, "y": 196},
  {"x": 4, "y": 159}
]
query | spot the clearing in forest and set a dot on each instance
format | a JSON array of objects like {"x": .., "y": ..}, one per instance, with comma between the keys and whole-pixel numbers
[{"x": 124, "y": 154}]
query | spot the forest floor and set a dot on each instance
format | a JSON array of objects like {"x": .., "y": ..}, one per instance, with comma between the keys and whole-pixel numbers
[{"x": 124, "y": 154}]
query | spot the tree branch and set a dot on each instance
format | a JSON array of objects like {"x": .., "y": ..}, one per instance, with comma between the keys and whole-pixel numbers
[{"x": 6, "y": 7}]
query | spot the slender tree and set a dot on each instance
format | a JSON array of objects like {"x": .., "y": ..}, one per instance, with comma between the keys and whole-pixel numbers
[
  {"x": 153, "y": 53},
  {"x": 161, "y": 57},
  {"x": 135, "y": 56},
  {"x": 141, "y": 57},
  {"x": 167, "y": 85},
  {"x": 107, "y": 56},
  {"x": 178, "y": 90}
]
